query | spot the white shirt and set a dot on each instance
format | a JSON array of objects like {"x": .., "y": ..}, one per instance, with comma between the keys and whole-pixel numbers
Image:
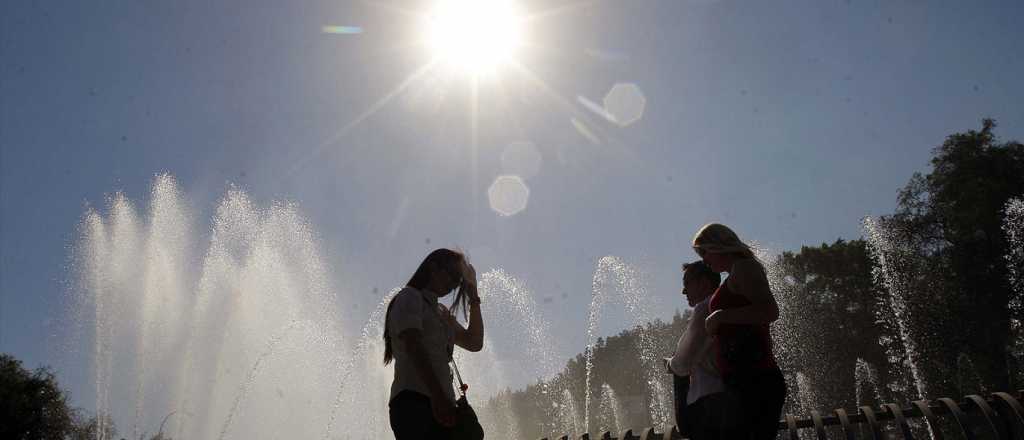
[
  {"x": 415, "y": 309},
  {"x": 693, "y": 357}
]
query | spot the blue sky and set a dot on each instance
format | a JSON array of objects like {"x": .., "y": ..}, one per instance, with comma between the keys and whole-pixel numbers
[{"x": 789, "y": 120}]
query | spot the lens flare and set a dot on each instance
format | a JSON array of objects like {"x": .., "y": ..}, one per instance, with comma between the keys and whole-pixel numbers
[{"x": 341, "y": 29}]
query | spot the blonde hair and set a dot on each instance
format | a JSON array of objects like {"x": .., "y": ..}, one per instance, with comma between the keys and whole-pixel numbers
[{"x": 719, "y": 239}]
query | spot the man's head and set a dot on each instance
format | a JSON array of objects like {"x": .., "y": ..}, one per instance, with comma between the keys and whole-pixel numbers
[{"x": 699, "y": 282}]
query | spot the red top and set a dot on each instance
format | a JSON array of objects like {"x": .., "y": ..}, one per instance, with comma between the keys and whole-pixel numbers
[{"x": 740, "y": 348}]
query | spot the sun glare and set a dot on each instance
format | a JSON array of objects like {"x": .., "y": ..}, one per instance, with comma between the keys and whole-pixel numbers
[{"x": 474, "y": 35}]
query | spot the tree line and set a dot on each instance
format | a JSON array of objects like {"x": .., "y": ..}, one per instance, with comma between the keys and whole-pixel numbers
[{"x": 927, "y": 303}]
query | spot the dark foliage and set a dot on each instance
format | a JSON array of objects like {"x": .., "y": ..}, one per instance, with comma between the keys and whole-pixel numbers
[
  {"x": 954, "y": 214},
  {"x": 829, "y": 303},
  {"x": 33, "y": 405}
]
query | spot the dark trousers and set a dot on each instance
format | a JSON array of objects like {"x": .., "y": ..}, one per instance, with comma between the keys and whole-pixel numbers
[
  {"x": 413, "y": 419},
  {"x": 680, "y": 388},
  {"x": 761, "y": 395},
  {"x": 710, "y": 417}
]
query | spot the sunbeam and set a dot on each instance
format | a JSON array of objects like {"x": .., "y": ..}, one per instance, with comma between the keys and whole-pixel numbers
[
  {"x": 376, "y": 106},
  {"x": 469, "y": 41},
  {"x": 553, "y": 94},
  {"x": 571, "y": 7}
]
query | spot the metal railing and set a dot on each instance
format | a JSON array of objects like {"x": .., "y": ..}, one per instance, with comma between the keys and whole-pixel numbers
[{"x": 1000, "y": 415}]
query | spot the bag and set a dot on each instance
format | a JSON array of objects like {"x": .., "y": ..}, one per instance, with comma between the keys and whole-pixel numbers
[{"x": 467, "y": 425}]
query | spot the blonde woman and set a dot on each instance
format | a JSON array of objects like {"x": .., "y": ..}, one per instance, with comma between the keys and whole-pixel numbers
[{"x": 740, "y": 312}]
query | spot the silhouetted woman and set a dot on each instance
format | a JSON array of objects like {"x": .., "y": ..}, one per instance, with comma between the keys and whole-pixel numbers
[
  {"x": 420, "y": 334},
  {"x": 740, "y": 313}
]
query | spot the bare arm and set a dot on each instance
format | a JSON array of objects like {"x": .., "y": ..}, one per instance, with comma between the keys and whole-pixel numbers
[
  {"x": 749, "y": 280},
  {"x": 472, "y": 338}
]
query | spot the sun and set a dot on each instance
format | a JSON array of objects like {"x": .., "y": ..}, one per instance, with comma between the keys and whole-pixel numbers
[{"x": 476, "y": 36}]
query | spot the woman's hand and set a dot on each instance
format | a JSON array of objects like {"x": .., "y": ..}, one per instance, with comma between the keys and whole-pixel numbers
[
  {"x": 468, "y": 274},
  {"x": 469, "y": 282},
  {"x": 713, "y": 321},
  {"x": 471, "y": 338},
  {"x": 444, "y": 411}
]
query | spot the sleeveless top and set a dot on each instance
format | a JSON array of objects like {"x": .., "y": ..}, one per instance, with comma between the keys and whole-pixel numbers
[{"x": 740, "y": 349}]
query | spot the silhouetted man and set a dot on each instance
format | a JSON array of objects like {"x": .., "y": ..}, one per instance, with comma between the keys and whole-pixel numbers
[{"x": 700, "y": 398}]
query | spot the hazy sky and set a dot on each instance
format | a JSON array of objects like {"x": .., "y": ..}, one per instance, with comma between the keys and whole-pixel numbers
[{"x": 789, "y": 120}]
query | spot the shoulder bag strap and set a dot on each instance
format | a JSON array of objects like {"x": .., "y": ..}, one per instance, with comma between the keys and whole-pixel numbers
[
  {"x": 462, "y": 386},
  {"x": 455, "y": 367}
]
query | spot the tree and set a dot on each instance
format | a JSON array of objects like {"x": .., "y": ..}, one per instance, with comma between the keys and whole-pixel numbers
[
  {"x": 955, "y": 215},
  {"x": 541, "y": 409},
  {"x": 828, "y": 303},
  {"x": 91, "y": 428},
  {"x": 33, "y": 405}
]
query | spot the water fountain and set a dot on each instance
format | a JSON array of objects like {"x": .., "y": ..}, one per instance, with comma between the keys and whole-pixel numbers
[
  {"x": 805, "y": 393},
  {"x": 567, "y": 416},
  {"x": 512, "y": 305},
  {"x": 866, "y": 384},
  {"x": 509, "y": 300},
  {"x": 968, "y": 380},
  {"x": 893, "y": 269},
  {"x": 1013, "y": 226},
  {"x": 791, "y": 350},
  {"x": 369, "y": 341},
  {"x": 627, "y": 281},
  {"x": 499, "y": 419},
  {"x": 206, "y": 337},
  {"x": 610, "y": 411}
]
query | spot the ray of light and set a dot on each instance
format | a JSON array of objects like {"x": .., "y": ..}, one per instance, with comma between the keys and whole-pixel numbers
[
  {"x": 566, "y": 8},
  {"x": 581, "y": 121},
  {"x": 584, "y": 131},
  {"x": 606, "y": 55},
  {"x": 506, "y": 103},
  {"x": 342, "y": 30},
  {"x": 565, "y": 103},
  {"x": 376, "y": 106},
  {"x": 394, "y": 8},
  {"x": 443, "y": 87},
  {"x": 474, "y": 140},
  {"x": 596, "y": 108},
  {"x": 552, "y": 52}
]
